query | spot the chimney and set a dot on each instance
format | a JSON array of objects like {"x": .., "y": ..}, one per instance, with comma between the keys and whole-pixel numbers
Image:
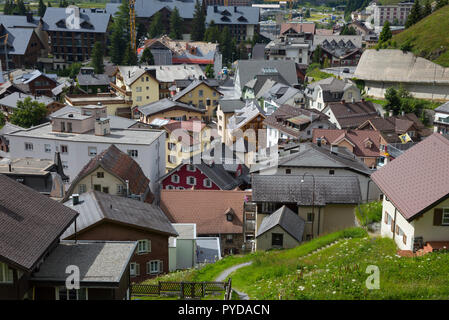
[
  {"x": 75, "y": 199},
  {"x": 235, "y": 8},
  {"x": 318, "y": 142},
  {"x": 29, "y": 16},
  {"x": 102, "y": 127},
  {"x": 215, "y": 8}
]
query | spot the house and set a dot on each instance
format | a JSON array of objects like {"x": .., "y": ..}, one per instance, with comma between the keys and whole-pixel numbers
[
  {"x": 395, "y": 14},
  {"x": 225, "y": 110},
  {"x": 8, "y": 87},
  {"x": 292, "y": 124},
  {"x": 350, "y": 115},
  {"x": 216, "y": 213},
  {"x": 37, "y": 83},
  {"x": 246, "y": 70},
  {"x": 8, "y": 127},
  {"x": 320, "y": 93},
  {"x": 441, "y": 119},
  {"x": 281, "y": 94},
  {"x": 364, "y": 144},
  {"x": 33, "y": 260},
  {"x": 80, "y": 137},
  {"x": 74, "y": 42},
  {"x": 201, "y": 95},
  {"x": 9, "y": 103},
  {"x": 109, "y": 217},
  {"x": 91, "y": 82},
  {"x": 115, "y": 172},
  {"x": 170, "y": 109},
  {"x": 415, "y": 188},
  {"x": 116, "y": 105},
  {"x": 388, "y": 68},
  {"x": 288, "y": 48},
  {"x": 339, "y": 50},
  {"x": 322, "y": 161},
  {"x": 283, "y": 229},
  {"x": 265, "y": 79},
  {"x": 242, "y": 21},
  {"x": 44, "y": 176},
  {"x": 306, "y": 30},
  {"x": 184, "y": 140},
  {"x": 204, "y": 176},
  {"x": 326, "y": 203}
]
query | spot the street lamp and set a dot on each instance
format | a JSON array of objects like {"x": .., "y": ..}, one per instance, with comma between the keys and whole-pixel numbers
[{"x": 313, "y": 197}]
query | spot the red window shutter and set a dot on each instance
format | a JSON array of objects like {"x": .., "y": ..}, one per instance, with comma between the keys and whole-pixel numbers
[{"x": 437, "y": 217}]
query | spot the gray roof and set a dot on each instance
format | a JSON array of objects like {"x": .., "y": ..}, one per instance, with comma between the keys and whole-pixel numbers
[
  {"x": 147, "y": 8},
  {"x": 13, "y": 21},
  {"x": 112, "y": 8},
  {"x": 9, "y": 128},
  {"x": 313, "y": 156},
  {"x": 233, "y": 15},
  {"x": 11, "y": 100},
  {"x": 165, "y": 105},
  {"x": 248, "y": 69},
  {"x": 18, "y": 40},
  {"x": 195, "y": 83},
  {"x": 96, "y": 206},
  {"x": 443, "y": 108},
  {"x": 98, "y": 21},
  {"x": 336, "y": 40},
  {"x": 93, "y": 79},
  {"x": 290, "y": 189},
  {"x": 230, "y": 105},
  {"x": 103, "y": 262},
  {"x": 30, "y": 226},
  {"x": 291, "y": 222}
]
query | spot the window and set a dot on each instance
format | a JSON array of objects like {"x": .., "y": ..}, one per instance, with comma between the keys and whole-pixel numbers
[
  {"x": 133, "y": 153},
  {"x": 47, "y": 148},
  {"x": 106, "y": 189},
  {"x": 175, "y": 178},
  {"x": 65, "y": 165},
  {"x": 445, "y": 220},
  {"x": 191, "y": 168},
  {"x": 92, "y": 151},
  {"x": 69, "y": 127},
  {"x": 331, "y": 172},
  {"x": 97, "y": 187},
  {"x": 82, "y": 188},
  {"x": 310, "y": 217},
  {"x": 229, "y": 238},
  {"x": 63, "y": 294},
  {"x": 134, "y": 269},
  {"x": 288, "y": 171},
  {"x": 207, "y": 183},
  {"x": 154, "y": 266},
  {"x": 144, "y": 246},
  {"x": 138, "y": 89},
  {"x": 169, "y": 187},
  {"x": 6, "y": 274},
  {"x": 139, "y": 98},
  {"x": 277, "y": 239},
  {"x": 64, "y": 149},
  {"x": 120, "y": 189},
  {"x": 100, "y": 175},
  {"x": 171, "y": 159},
  {"x": 191, "y": 181},
  {"x": 28, "y": 146},
  {"x": 62, "y": 126}
]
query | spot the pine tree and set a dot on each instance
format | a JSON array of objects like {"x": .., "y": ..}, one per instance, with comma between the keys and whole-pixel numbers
[
  {"x": 147, "y": 57},
  {"x": 198, "y": 23},
  {"x": 415, "y": 15},
  {"x": 226, "y": 44},
  {"x": 427, "y": 8},
  {"x": 41, "y": 8},
  {"x": 116, "y": 49},
  {"x": 130, "y": 58},
  {"x": 386, "y": 34},
  {"x": 316, "y": 57},
  {"x": 7, "y": 9},
  {"x": 155, "y": 26},
  {"x": 120, "y": 33},
  {"x": 97, "y": 58},
  {"x": 175, "y": 24},
  {"x": 212, "y": 33},
  {"x": 20, "y": 8}
]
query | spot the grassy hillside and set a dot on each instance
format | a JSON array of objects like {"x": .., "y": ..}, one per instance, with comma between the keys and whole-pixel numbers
[
  {"x": 429, "y": 37},
  {"x": 339, "y": 272}
]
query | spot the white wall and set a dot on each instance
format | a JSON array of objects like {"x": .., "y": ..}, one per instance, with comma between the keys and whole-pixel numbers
[{"x": 401, "y": 222}]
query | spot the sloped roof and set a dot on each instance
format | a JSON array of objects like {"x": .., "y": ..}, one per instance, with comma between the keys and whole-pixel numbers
[
  {"x": 356, "y": 40},
  {"x": 12, "y": 99},
  {"x": 299, "y": 27},
  {"x": 206, "y": 208},
  {"x": 292, "y": 223},
  {"x": 28, "y": 227},
  {"x": 166, "y": 104},
  {"x": 190, "y": 87},
  {"x": 352, "y": 114},
  {"x": 443, "y": 108},
  {"x": 119, "y": 164},
  {"x": 18, "y": 40},
  {"x": 230, "y": 105},
  {"x": 93, "y": 79},
  {"x": 53, "y": 15},
  {"x": 396, "y": 66},
  {"x": 417, "y": 180},
  {"x": 233, "y": 15},
  {"x": 147, "y": 8},
  {"x": 164, "y": 73},
  {"x": 95, "y": 206}
]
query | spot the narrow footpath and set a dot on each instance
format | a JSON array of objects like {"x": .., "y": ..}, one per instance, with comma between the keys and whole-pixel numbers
[{"x": 224, "y": 275}]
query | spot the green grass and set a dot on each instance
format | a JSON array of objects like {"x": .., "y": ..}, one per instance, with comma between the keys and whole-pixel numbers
[
  {"x": 339, "y": 272},
  {"x": 318, "y": 75},
  {"x": 369, "y": 212},
  {"x": 429, "y": 37},
  {"x": 428, "y": 104}
]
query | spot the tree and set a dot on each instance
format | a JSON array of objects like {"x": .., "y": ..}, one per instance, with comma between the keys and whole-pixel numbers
[
  {"x": 147, "y": 57},
  {"x": 349, "y": 31},
  {"x": 156, "y": 26},
  {"x": 19, "y": 8},
  {"x": 120, "y": 34},
  {"x": 226, "y": 44},
  {"x": 48, "y": 4},
  {"x": 130, "y": 58},
  {"x": 427, "y": 8},
  {"x": 307, "y": 14},
  {"x": 41, "y": 8},
  {"x": 63, "y": 4},
  {"x": 28, "y": 113},
  {"x": 212, "y": 33},
  {"x": 97, "y": 58},
  {"x": 74, "y": 69},
  {"x": 198, "y": 23},
  {"x": 7, "y": 8},
  {"x": 175, "y": 24},
  {"x": 386, "y": 34},
  {"x": 209, "y": 71},
  {"x": 415, "y": 14},
  {"x": 316, "y": 57},
  {"x": 2, "y": 119},
  {"x": 441, "y": 3},
  {"x": 116, "y": 48}
]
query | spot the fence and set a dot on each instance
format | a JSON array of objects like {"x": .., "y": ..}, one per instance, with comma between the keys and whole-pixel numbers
[{"x": 189, "y": 290}]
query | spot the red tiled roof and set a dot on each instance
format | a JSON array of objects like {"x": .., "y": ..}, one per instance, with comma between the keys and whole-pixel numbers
[
  {"x": 356, "y": 137},
  {"x": 119, "y": 164},
  {"x": 418, "y": 178},
  {"x": 206, "y": 208},
  {"x": 299, "y": 27}
]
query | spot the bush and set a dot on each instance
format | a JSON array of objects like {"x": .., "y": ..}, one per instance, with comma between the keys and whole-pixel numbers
[{"x": 369, "y": 212}]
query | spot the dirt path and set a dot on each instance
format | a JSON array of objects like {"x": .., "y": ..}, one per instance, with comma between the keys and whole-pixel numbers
[{"x": 227, "y": 272}]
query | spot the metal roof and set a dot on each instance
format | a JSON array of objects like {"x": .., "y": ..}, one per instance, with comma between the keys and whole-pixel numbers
[
  {"x": 55, "y": 20},
  {"x": 232, "y": 15},
  {"x": 292, "y": 223}
]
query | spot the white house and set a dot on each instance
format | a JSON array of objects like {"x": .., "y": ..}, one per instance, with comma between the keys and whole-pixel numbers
[
  {"x": 415, "y": 185},
  {"x": 80, "y": 137}
]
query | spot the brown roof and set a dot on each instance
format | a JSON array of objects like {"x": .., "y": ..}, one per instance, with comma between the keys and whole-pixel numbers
[
  {"x": 299, "y": 27},
  {"x": 357, "y": 137},
  {"x": 417, "y": 179},
  {"x": 352, "y": 114},
  {"x": 30, "y": 226},
  {"x": 206, "y": 208},
  {"x": 324, "y": 32},
  {"x": 118, "y": 164}
]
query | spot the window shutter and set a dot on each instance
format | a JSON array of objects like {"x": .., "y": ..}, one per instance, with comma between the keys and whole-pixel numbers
[
  {"x": 137, "y": 269},
  {"x": 161, "y": 266},
  {"x": 392, "y": 225},
  {"x": 404, "y": 239},
  {"x": 437, "y": 217},
  {"x": 386, "y": 217},
  {"x": 148, "y": 267},
  {"x": 397, "y": 229}
]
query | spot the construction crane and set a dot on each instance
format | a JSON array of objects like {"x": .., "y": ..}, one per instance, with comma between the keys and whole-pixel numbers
[{"x": 132, "y": 24}]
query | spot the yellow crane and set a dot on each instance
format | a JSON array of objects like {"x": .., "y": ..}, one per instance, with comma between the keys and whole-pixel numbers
[{"x": 132, "y": 24}]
